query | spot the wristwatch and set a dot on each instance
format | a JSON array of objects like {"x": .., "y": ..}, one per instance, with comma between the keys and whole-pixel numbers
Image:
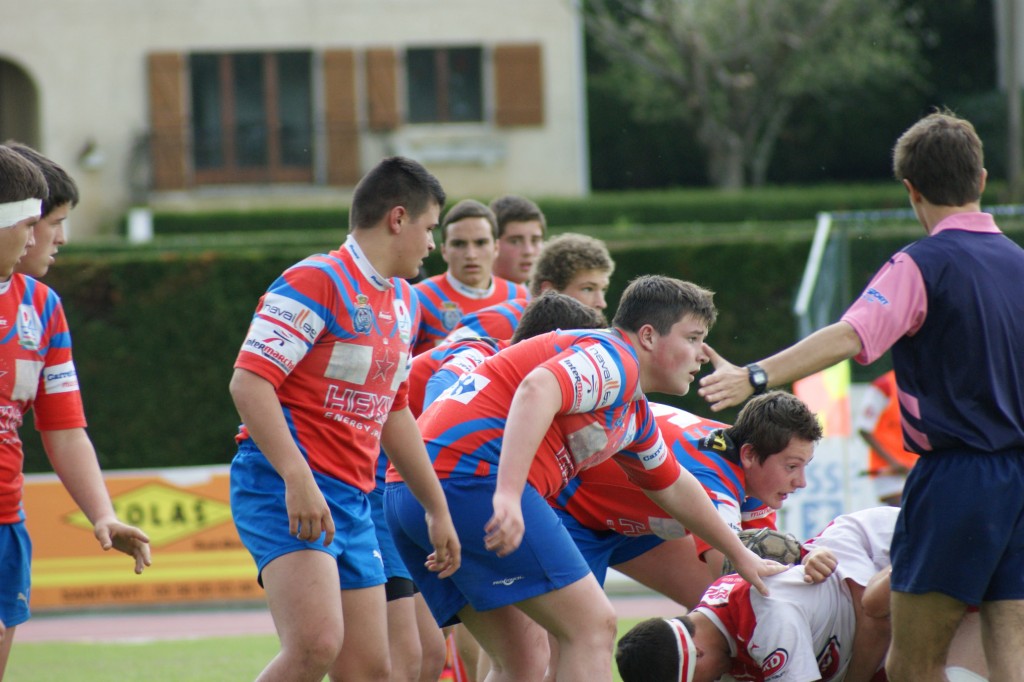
[{"x": 758, "y": 378}]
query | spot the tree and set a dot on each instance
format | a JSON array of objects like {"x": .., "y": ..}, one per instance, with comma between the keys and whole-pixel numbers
[{"x": 734, "y": 70}]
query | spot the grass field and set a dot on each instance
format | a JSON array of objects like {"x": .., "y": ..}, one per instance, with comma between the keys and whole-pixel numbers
[{"x": 222, "y": 659}]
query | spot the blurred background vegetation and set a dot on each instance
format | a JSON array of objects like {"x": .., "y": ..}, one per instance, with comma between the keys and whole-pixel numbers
[{"x": 157, "y": 326}]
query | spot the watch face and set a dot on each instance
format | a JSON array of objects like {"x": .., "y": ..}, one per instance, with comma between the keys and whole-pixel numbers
[{"x": 759, "y": 377}]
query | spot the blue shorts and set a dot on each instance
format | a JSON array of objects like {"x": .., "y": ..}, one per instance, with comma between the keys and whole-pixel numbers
[
  {"x": 394, "y": 567},
  {"x": 547, "y": 559},
  {"x": 261, "y": 517},
  {"x": 16, "y": 569},
  {"x": 961, "y": 529},
  {"x": 604, "y": 548}
]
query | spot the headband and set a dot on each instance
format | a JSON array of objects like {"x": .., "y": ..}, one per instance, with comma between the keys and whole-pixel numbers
[
  {"x": 686, "y": 648},
  {"x": 13, "y": 212}
]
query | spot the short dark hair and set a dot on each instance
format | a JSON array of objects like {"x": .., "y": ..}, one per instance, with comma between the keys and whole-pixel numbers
[
  {"x": 769, "y": 421},
  {"x": 941, "y": 155},
  {"x": 649, "y": 653},
  {"x": 395, "y": 181},
  {"x": 20, "y": 179},
  {"x": 662, "y": 302},
  {"x": 469, "y": 208},
  {"x": 567, "y": 255},
  {"x": 515, "y": 209},
  {"x": 556, "y": 311},
  {"x": 61, "y": 187}
]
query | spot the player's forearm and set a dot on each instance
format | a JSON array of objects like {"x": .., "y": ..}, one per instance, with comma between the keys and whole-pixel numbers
[
  {"x": 534, "y": 406},
  {"x": 73, "y": 459},
  {"x": 260, "y": 410},
  {"x": 689, "y": 504},
  {"x": 819, "y": 351}
]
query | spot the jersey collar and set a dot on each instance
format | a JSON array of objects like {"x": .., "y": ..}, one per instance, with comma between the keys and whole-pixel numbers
[
  {"x": 379, "y": 281},
  {"x": 468, "y": 291}
]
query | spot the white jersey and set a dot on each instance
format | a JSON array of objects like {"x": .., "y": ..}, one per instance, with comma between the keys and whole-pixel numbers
[
  {"x": 800, "y": 633},
  {"x": 860, "y": 542}
]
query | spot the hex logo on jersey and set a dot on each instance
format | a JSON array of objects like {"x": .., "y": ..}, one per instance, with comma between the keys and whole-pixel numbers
[
  {"x": 828, "y": 659},
  {"x": 450, "y": 315},
  {"x": 774, "y": 663},
  {"x": 362, "y": 316}
]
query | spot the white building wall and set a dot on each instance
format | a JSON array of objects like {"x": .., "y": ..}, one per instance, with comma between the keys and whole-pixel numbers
[{"x": 88, "y": 62}]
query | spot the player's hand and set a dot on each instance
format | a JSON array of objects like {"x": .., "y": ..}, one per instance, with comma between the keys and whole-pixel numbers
[
  {"x": 728, "y": 385},
  {"x": 113, "y": 534},
  {"x": 447, "y": 555},
  {"x": 819, "y": 565},
  {"x": 505, "y": 529},
  {"x": 753, "y": 568},
  {"x": 308, "y": 513}
]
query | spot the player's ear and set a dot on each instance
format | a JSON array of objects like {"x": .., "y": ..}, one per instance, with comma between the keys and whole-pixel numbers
[
  {"x": 397, "y": 217},
  {"x": 647, "y": 336},
  {"x": 748, "y": 455}
]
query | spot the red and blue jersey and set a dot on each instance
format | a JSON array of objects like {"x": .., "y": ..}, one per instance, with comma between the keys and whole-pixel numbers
[
  {"x": 603, "y": 413},
  {"x": 444, "y": 301},
  {"x": 603, "y": 498},
  {"x": 438, "y": 369},
  {"x": 459, "y": 356},
  {"x": 333, "y": 337},
  {"x": 37, "y": 372},
  {"x": 496, "y": 321}
]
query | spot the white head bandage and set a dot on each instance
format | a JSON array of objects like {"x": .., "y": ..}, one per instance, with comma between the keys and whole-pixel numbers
[
  {"x": 687, "y": 650},
  {"x": 13, "y": 212}
]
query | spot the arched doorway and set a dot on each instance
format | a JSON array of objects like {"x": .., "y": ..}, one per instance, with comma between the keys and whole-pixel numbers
[{"x": 19, "y": 105}]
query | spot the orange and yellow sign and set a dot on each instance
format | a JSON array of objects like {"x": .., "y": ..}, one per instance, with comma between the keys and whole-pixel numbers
[{"x": 197, "y": 555}]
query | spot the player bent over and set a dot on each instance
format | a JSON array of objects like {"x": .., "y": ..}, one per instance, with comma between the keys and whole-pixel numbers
[
  {"x": 518, "y": 429},
  {"x": 320, "y": 384}
]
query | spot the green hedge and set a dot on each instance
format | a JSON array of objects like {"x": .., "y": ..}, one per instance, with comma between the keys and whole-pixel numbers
[
  {"x": 602, "y": 208},
  {"x": 155, "y": 337}
]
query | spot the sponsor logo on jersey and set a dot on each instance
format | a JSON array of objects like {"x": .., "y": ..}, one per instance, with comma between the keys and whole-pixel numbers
[
  {"x": 60, "y": 378},
  {"x": 450, "y": 315},
  {"x": 828, "y": 659},
  {"x": 365, "y": 405},
  {"x": 362, "y": 315},
  {"x": 506, "y": 582},
  {"x": 404, "y": 320},
  {"x": 296, "y": 316},
  {"x": 873, "y": 294},
  {"x": 653, "y": 458},
  {"x": 718, "y": 594},
  {"x": 465, "y": 388},
  {"x": 274, "y": 343},
  {"x": 30, "y": 329},
  {"x": 774, "y": 663}
]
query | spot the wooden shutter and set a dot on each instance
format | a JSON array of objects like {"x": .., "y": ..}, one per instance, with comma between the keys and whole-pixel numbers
[
  {"x": 382, "y": 88},
  {"x": 340, "y": 115},
  {"x": 167, "y": 119},
  {"x": 519, "y": 85}
]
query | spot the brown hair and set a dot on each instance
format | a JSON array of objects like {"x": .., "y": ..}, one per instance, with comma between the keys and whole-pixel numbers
[
  {"x": 768, "y": 422},
  {"x": 941, "y": 155}
]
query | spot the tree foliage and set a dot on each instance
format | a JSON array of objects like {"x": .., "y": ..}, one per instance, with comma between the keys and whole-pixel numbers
[{"x": 734, "y": 70}]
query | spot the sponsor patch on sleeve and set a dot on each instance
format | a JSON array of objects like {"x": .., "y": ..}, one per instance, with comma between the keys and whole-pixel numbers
[
  {"x": 274, "y": 343},
  {"x": 299, "y": 318},
  {"x": 60, "y": 378}
]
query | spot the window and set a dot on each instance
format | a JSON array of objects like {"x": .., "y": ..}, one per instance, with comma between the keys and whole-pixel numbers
[
  {"x": 445, "y": 85},
  {"x": 251, "y": 117}
]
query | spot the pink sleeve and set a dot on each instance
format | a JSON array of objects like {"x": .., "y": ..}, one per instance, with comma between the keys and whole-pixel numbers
[{"x": 893, "y": 305}]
